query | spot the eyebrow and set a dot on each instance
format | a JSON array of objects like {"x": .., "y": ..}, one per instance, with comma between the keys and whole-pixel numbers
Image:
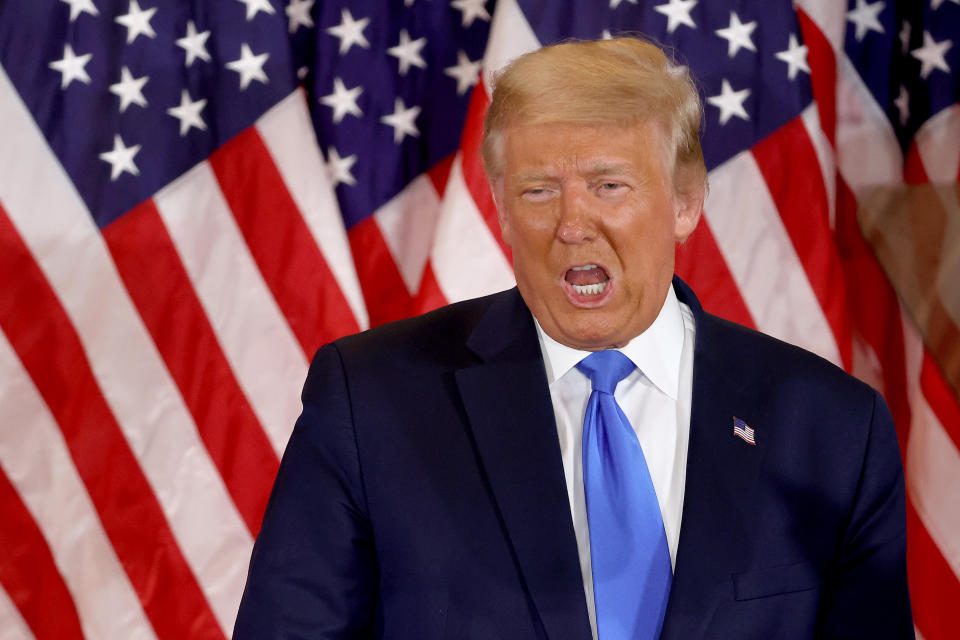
[{"x": 608, "y": 168}]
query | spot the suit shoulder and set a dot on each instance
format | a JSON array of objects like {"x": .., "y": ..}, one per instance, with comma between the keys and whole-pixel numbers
[
  {"x": 441, "y": 333},
  {"x": 773, "y": 362}
]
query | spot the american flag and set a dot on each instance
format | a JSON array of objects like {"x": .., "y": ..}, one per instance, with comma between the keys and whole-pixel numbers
[
  {"x": 194, "y": 196},
  {"x": 744, "y": 431}
]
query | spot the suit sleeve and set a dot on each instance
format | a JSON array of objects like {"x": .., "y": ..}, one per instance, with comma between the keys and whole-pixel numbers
[
  {"x": 867, "y": 595},
  {"x": 313, "y": 572}
]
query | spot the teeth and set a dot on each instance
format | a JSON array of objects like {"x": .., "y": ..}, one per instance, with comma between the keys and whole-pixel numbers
[
  {"x": 584, "y": 268},
  {"x": 589, "y": 289}
]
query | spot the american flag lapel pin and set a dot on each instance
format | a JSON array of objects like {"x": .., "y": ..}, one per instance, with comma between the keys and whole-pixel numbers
[{"x": 743, "y": 431}]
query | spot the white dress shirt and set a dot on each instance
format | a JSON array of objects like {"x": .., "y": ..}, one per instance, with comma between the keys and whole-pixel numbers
[{"x": 656, "y": 399}]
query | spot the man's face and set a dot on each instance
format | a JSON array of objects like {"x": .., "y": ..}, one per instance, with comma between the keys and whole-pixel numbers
[{"x": 591, "y": 216}]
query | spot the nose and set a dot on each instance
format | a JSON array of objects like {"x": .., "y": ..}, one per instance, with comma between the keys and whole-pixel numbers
[{"x": 576, "y": 222}]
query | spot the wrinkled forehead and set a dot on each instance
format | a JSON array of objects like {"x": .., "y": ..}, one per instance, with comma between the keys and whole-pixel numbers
[{"x": 540, "y": 150}]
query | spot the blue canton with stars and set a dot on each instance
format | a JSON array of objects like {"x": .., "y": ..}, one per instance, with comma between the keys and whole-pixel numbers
[
  {"x": 908, "y": 54},
  {"x": 389, "y": 87}
]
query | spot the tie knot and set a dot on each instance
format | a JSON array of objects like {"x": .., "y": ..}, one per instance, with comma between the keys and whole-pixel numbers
[{"x": 606, "y": 369}]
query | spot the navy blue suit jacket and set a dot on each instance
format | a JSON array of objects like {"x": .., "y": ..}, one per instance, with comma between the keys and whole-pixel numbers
[{"x": 422, "y": 494}]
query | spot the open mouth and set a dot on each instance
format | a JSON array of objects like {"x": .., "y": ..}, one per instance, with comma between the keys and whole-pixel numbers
[{"x": 587, "y": 280}]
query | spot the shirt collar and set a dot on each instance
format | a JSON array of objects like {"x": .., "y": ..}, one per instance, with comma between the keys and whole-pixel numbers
[{"x": 656, "y": 351}]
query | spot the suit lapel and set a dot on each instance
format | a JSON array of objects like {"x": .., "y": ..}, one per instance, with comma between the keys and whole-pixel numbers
[
  {"x": 722, "y": 474},
  {"x": 507, "y": 402}
]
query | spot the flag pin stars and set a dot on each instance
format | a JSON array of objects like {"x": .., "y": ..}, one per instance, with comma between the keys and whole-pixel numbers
[{"x": 743, "y": 431}]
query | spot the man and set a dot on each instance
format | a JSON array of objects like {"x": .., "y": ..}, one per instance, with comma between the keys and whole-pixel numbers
[{"x": 478, "y": 473}]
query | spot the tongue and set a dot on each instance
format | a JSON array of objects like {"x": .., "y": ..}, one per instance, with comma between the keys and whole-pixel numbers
[{"x": 591, "y": 276}]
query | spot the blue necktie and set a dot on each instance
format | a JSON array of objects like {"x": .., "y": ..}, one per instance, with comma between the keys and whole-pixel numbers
[{"x": 628, "y": 546}]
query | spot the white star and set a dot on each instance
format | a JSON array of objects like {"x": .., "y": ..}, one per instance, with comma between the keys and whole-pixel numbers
[
  {"x": 905, "y": 37},
  {"x": 616, "y": 3},
  {"x": 730, "y": 102},
  {"x": 137, "y": 22},
  {"x": 931, "y": 55},
  {"x": 121, "y": 158},
  {"x": 865, "y": 17},
  {"x": 677, "y": 12},
  {"x": 343, "y": 100},
  {"x": 466, "y": 73},
  {"x": 249, "y": 66},
  {"x": 81, "y": 6},
  {"x": 129, "y": 89},
  {"x": 194, "y": 44},
  {"x": 408, "y": 52},
  {"x": 606, "y": 34},
  {"x": 402, "y": 121},
  {"x": 255, "y": 6},
  {"x": 795, "y": 56},
  {"x": 71, "y": 67},
  {"x": 936, "y": 3},
  {"x": 737, "y": 35},
  {"x": 350, "y": 31},
  {"x": 298, "y": 12},
  {"x": 903, "y": 105},
  {"x": 471, "y": 10},
  {"x": 339, "y": 168},
  {"x": 188, "y": 112}
]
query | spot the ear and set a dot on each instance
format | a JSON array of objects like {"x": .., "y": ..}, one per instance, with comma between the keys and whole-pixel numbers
[{"x": 688, "y": 208}]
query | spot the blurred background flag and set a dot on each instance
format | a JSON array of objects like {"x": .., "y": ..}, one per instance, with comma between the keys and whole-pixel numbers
[{"x": 194, "y": 196}]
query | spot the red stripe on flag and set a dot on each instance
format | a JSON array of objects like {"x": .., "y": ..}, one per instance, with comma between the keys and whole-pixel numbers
[
  {"x": 823, "y": 74},
  {"x": 440, "y": 172},
  {"x": 790, "y": 168},
  {"x": 50, "y": 350},
  {"x": 28, "y": 572},
  {"x": 700, "y": 263},
  {"x": 160, "y": 288},
  {"x": 473, "y": 173},
  {"x": 934, "y": 589},
  {"x": 430, "y": 296},
  {"x": 941, "y": 399},
  {"x": 384, "y": 291},
  {"x": 280, "y": 242}
]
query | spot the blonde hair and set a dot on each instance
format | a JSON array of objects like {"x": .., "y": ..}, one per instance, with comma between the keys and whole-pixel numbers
[{"x": 622, "y": 81}]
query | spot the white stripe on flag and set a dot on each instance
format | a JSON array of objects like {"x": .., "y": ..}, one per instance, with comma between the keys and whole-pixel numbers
[
  {"x": 253, "y": 333},
  {"x": 466, "y": 258},
  {"x": 825, "y": 157},
  {"x": 510, "y": 37},
  {"x": 288, "y": 133},
  {"x": 933, "y": 478},
  {"x": 937, "y": 143},
  {"x": 762, "y": 259},
  {"x": 932, "y": 462},
  {"x": 69, "y": 249},
  {"x": 407, "y": 223},
  {"x": 12, "y": 625},
  {"x": 868, "y": 153},
  {"x": 35, "y": 458}
]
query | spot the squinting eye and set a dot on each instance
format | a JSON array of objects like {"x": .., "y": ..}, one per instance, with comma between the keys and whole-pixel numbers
[
  {"x": 537, "y": 194},
  {"x": 610, "y": 185}
]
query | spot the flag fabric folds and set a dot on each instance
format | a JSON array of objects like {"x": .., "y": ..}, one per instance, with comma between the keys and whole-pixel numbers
[{"x": 194, "y": 196}]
